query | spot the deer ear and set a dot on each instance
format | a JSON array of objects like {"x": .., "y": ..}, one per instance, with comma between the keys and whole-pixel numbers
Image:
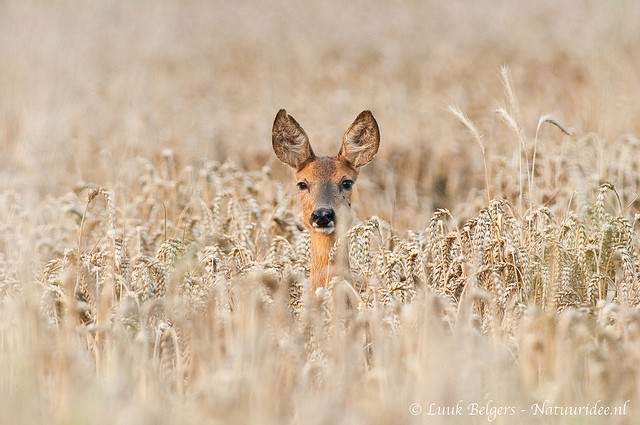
[
  {"x": 290, "y": 142},
  {"x": 361, "y": 141}
]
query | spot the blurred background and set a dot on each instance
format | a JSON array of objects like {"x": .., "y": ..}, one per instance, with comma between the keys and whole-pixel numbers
[{"x": 88, "y": 88}]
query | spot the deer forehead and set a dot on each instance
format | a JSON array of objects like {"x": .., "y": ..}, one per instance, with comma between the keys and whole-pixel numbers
[{"x": 326, "y": 169}]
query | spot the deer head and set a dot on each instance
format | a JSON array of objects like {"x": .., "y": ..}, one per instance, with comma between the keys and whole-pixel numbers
[{"x": 325, "y": 183}]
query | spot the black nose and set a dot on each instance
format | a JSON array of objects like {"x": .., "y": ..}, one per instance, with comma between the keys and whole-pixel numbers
[{"x": 323, "y": 217}]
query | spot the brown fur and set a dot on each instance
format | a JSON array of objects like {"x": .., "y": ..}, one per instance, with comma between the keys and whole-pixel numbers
[{"x": 322, "y": 179}]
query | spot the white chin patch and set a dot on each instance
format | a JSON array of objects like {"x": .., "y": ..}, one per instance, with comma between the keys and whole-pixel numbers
[{"x": 326, "y": 230}]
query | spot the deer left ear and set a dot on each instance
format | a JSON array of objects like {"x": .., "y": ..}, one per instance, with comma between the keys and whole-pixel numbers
[
  {"x": 361, "y": 141},
  {"x": 290, "y": 141}
]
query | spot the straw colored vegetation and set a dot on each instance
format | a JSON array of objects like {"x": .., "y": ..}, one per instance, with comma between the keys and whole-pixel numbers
[{"x": 154, "y": 268}]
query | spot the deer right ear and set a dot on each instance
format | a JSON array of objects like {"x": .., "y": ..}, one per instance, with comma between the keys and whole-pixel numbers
[
  {"x": 290, "y": 142},
  {"x": 361, "y": 141}
]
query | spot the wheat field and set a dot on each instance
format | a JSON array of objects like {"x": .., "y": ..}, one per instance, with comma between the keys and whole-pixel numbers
[{"x": 154, "y": 268}]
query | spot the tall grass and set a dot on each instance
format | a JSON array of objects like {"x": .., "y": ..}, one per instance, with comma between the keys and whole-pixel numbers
[
  {"x": 153, "y": 267},
  {"x": 199, "y": 310}
]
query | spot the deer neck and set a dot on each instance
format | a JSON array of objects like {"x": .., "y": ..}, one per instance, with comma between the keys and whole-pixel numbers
[{"x": 321, "y": 244}]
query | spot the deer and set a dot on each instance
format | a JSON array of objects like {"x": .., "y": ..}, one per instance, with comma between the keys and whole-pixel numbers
[{"x": 325, "y": 183}]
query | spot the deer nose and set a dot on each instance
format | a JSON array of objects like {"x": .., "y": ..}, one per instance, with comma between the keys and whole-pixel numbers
[{"x": 323, "y": 217}]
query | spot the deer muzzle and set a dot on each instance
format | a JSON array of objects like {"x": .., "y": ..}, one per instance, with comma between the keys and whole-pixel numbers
[{"x": 323, "y": 220}]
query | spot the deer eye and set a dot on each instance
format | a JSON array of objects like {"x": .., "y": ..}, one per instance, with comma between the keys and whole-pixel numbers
[
  {"x": 347, "y": 184},
  {"x": 303, "y": 186}
]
